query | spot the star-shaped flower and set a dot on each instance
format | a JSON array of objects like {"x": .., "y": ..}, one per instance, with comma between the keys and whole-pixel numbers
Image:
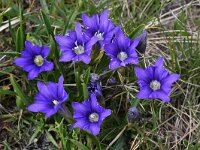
[
  {"x": 100, "y": 27},
  {"x": 122, "y": 51},
  {"x": 76, "y": 46},
  {"x": 50, "y": 98},
  {"x": 33, "y": 60},
  {"x": 155, "y": 81},
  {"x": 89, "y": 115}
]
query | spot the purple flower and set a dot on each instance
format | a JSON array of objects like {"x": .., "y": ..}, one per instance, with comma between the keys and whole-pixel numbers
[
  {"x": 75, "y": 46},
  {"x": 89, "y": 115},
  {"x": 100, "y": 27},
  {"x": 50, "y": 98},
  {"x": 94, "y": 77},
  {"x": 155, "y": 81},
  {"x": 133, "y": 114},
  {"x": 122, "y": 51},
  {"x": 95, "y": 88},
  {"x": 33, "y": 60}
]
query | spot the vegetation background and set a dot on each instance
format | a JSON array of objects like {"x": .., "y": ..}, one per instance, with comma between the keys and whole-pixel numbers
[{"x": 173, "y": 31}]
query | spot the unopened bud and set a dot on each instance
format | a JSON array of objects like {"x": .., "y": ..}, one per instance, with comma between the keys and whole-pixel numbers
[
  {"x": 133, "y": 114},
  {"x": 141, "y": 47}
]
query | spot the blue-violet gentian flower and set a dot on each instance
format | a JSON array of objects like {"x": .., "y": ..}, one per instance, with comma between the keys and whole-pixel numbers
[
  {"x": 100, "y": 27},
  {"x": 50, "y": 98},
  {"x": 155, "y": 81},
  {"x": 122, "y": 51},
  {"x": 95, "y": 88},
  {"x": 75, "y": 46},
  {"x": 89, "y": 115},
  {"x": 33, "y": 60}
]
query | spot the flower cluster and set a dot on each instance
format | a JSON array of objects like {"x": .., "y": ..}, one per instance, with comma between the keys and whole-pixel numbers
[{"x": 76, "y": 46}]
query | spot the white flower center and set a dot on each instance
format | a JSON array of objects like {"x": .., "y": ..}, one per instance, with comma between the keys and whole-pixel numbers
[
  {"x": 55, "y": 102},
  {"x": 39, "y": 60},
  {"x": 99, "y": 35},
  {"x": 155, "y": 85},
  {"x": 79, "y": 49},
  {"x": 122, "y": 56},
  {"x": 94, "y": 117}
]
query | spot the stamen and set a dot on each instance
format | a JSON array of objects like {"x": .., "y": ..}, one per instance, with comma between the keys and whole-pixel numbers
[
  {"x": 155, "y": 85},
  {"x": 39, "y": 60},
  {"x": 94, "y": 117},
  {"x": 122, "y": 56},
  {"x": 99, "y": 36},
  {"x": 55, "y": 102},
  {"x": 79, "y": 50}
]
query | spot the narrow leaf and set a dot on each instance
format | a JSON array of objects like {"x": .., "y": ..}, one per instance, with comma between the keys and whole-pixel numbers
[
  {"x": 79, "y": 145},
  {"x": 18, "y": 90}
]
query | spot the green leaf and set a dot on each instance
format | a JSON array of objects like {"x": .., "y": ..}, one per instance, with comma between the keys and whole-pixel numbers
[
  {"x": 79, "y": 145},
  {"x": 85, "y": 91},
  {"x": 47, "y": 24},
  {"x": 35, "y": 134},
  {"x": 7, "y": 92},
  {"x": 22, "y": 100},
  {"x": 19, "y": 41},
  {"x": 94, "y": 138},
  {"x": 10, "y": 53},
  {"x": 44, "y": 6},
  {"x": 78, "y": 82},
  {"x": 137, "y": 31},
  {"x": 20, "y": 35},
  {"x": 87, "y": 76},
  {"x": 50, "y": 137}
]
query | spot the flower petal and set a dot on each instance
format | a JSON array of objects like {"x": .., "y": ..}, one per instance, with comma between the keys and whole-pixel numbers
[
  {"x": 122, "y": 41},
  {"x": 45, "y": 51},
  {"x": 80, "y": 107},
  {"x": 141, "y": 74},
  {"x": 67, "y": 56},
  {"x": 114, "y": 63},
  {"x": 39, "y": 107},
  {"x": 103, "y": 21},
  {"x": 64, "y": 41},
  {"x": 33, "y": 73},
  {"x": 47, "y": 66},
  {"x": 87, "y": 21},
  {"x": 105, "y": 113},
  {"x": 159, "y": 62},
  {"x": 44, "y": 90},
  {"x": 50, "y": 113},
  {"x": 94, "y": 128},
  {"x": 111, "y": 50},
  {"x": 79, "y": 33},
  {"x": 22, "y": 62},
  {"x": 82, "y": 123},
  {"x": 134, "y": 43},
  {"x": 85, "y": 58},
  {"x": 131, "y": 60},
  {"x": 144, "y": 92},
  {"x": 160, "y": 95},
  {"x": 29, "y": 48},
  {"x": 90, "y": 43}
]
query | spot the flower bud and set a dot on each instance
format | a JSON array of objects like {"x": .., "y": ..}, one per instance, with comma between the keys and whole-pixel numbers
[
  {"x": 133, "y": 114},
  {"x": 94, "y": 77},
  {"x": 95, "y": 88},
  {"x": 141, "y": 47}
]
